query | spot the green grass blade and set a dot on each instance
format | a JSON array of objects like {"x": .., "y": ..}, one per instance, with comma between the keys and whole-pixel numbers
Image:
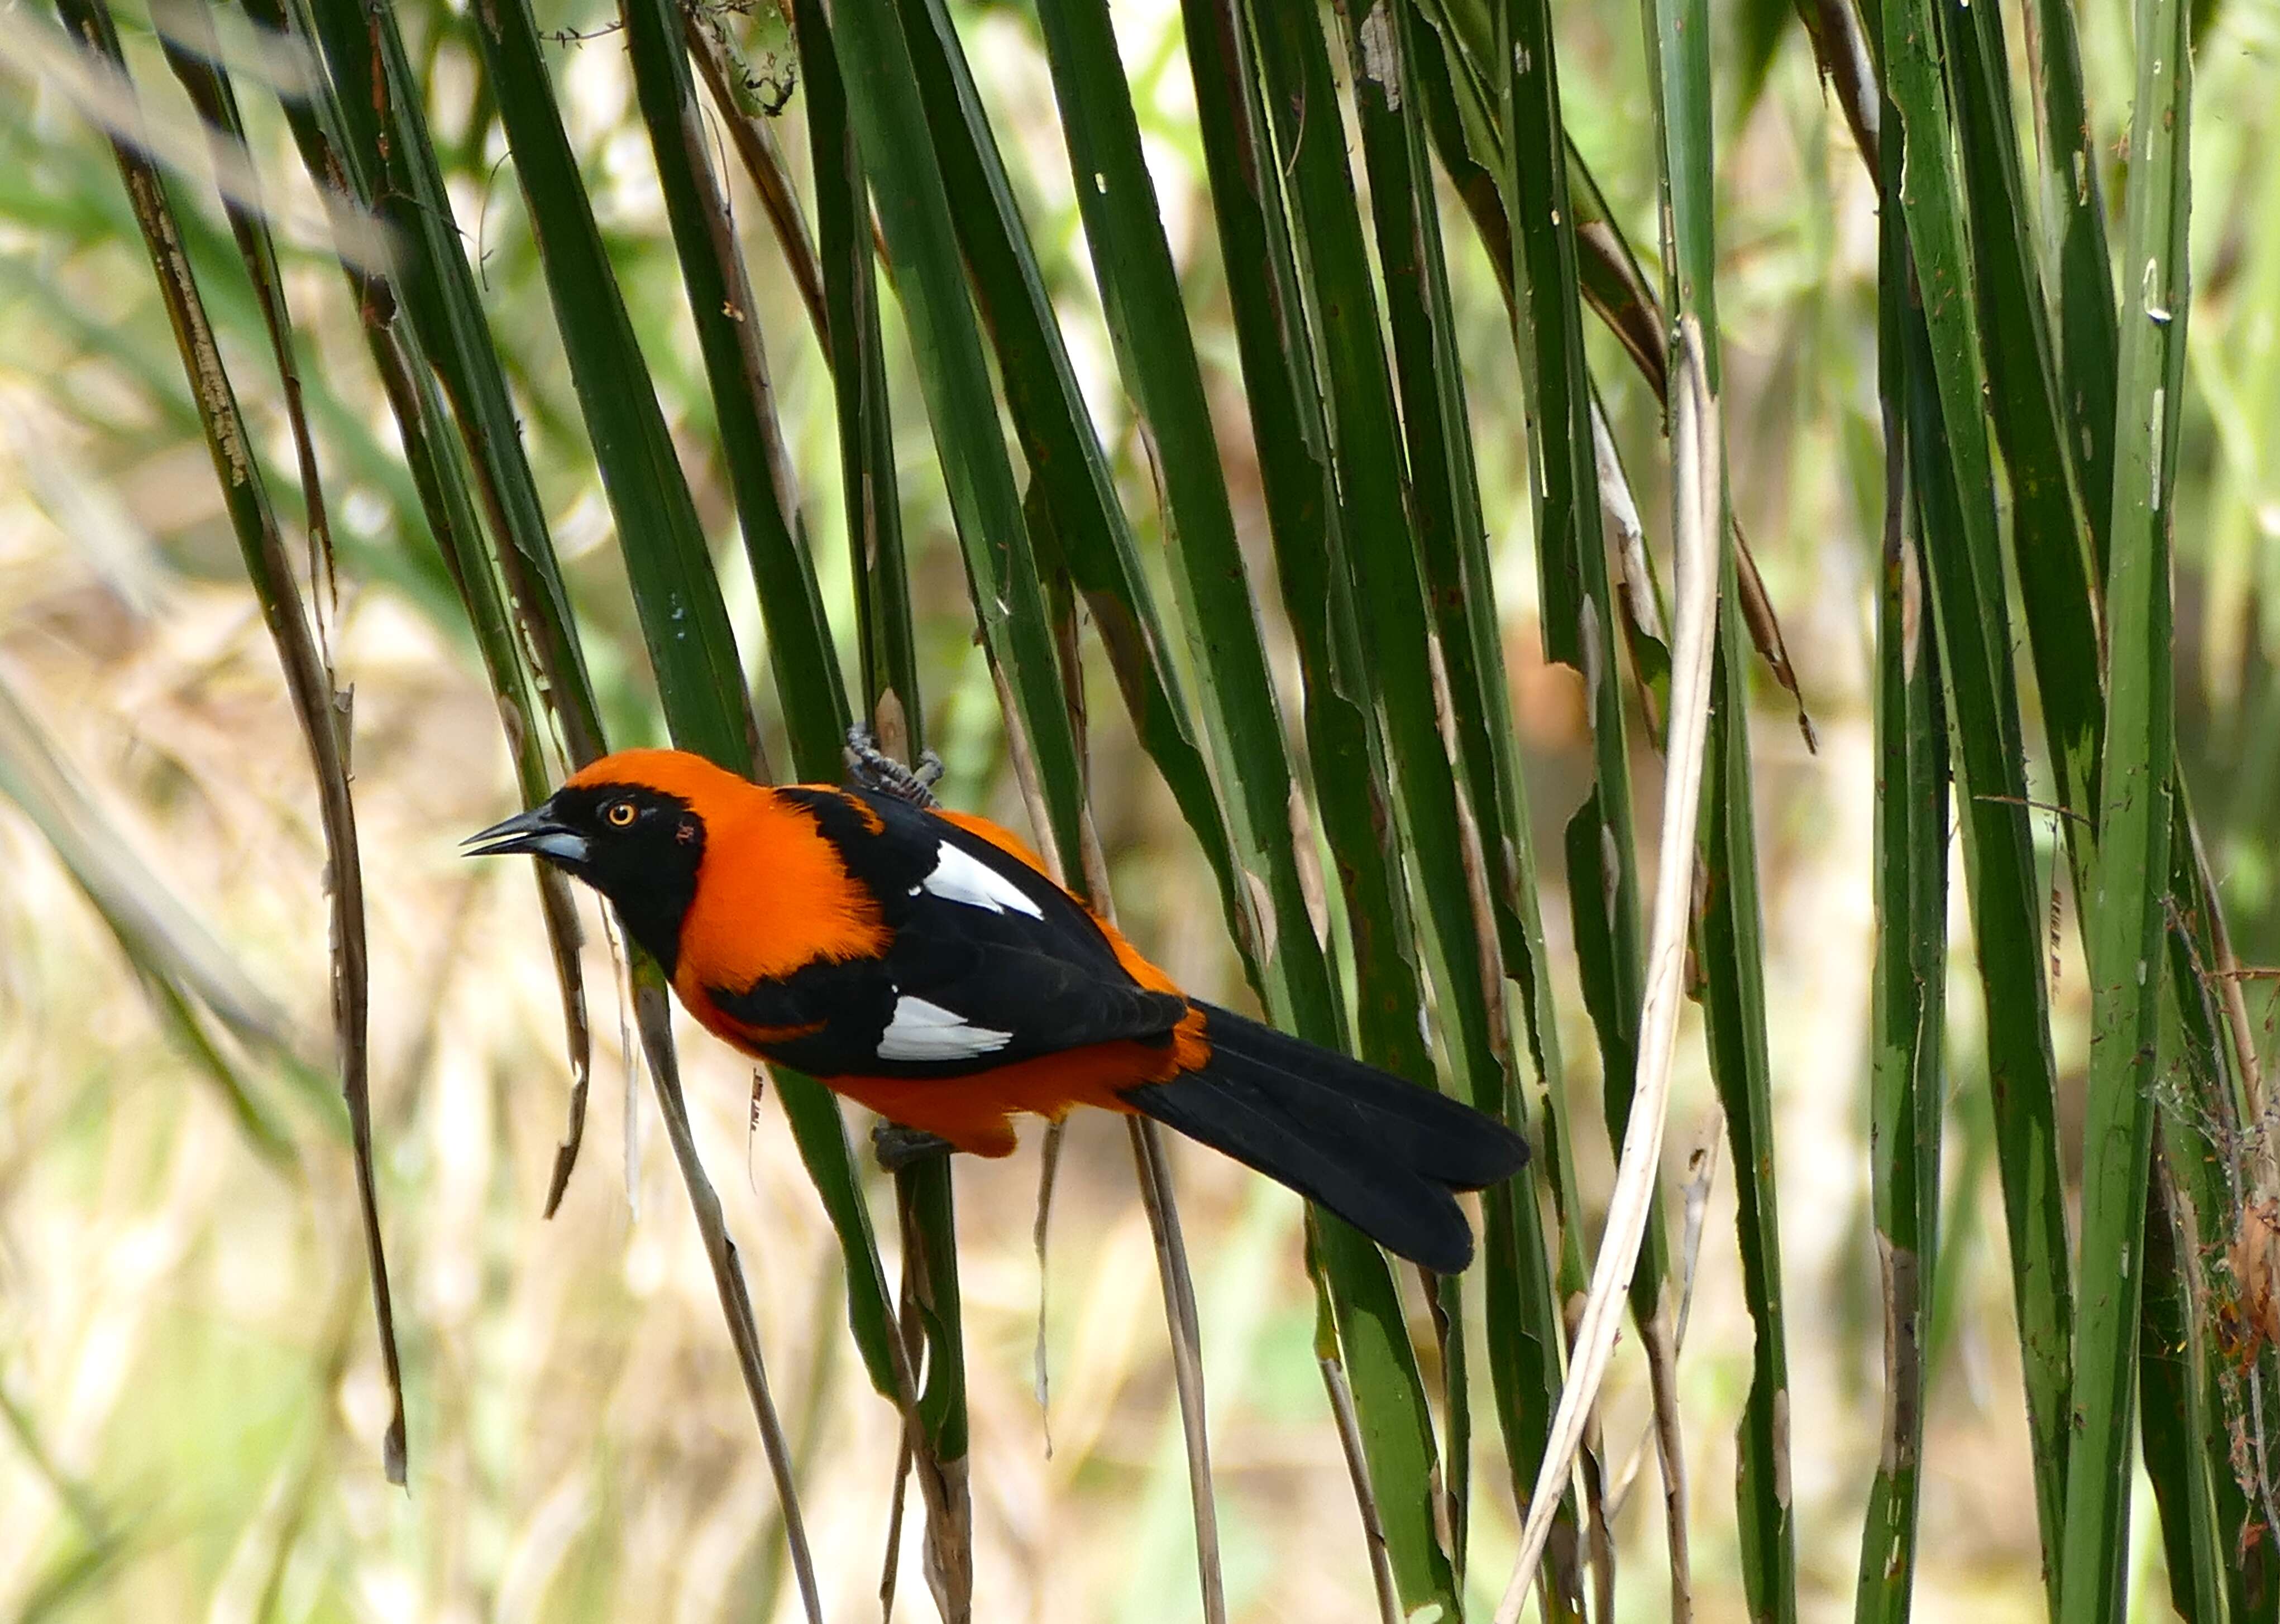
[
  {"x": 2126, "y": 915},
  {"x": 1068, "y": 469},
  {"x": 1080, "y": 526},
  {"x": 2087, "y": 333},
  {"x": 1147, "y": 317},
  {"x": 1293, "y": 441},
  {"x": 1369, "y": 554},
  {"x": 2174, "y": 1408},
  {"x": 1907, "y": 1092},
  {"x": 315, "y": 703},
  {"x": 691, "y": 647},
  {"x": 935, "y": 1431},
  {"x": 1470, "y": 131},
  {"x": 1287, "y": 427},
  {"x": 889, "y": 116},
  {"x": 1576, "y": 596},
  {"x": 1471, "y": 882},
  {"x": 886, "y": 660},
  {"x": 2049, "y": 543},
  {"x": 1952, "y": 469},
  {"x": 810, "y": 692}
]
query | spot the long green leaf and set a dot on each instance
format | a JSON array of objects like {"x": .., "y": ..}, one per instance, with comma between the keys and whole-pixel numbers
[
  {"x": 2049, "y": 543},
  {"x": 1141, "y": 296},
  {"x": 2126, "y": 913},
  {"x": 1906, "y": 1078},
  {"x": 1069, "y": 468},
  {"x": 387, "y": 156},
  {"x": 1952, "y": 469},
  {"x": 2087, "y": 333},
  {"x": 1728, "y": 932},
  {"x": 886, "y": 660},
  {"x": 1276, "y": 348},
  {"x": 812, "y": 696},
  {"x": 809, "y": 688},
  {"x": 889, "y": 116},
  {"x": 887, "y": 669},
  {"x": 1469, "y": 882},
  {"x": 691, "y": 647},
  {"x": 1577, "y": 598}
]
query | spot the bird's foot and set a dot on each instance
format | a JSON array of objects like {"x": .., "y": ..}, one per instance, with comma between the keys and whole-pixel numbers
[
  {"x": 869, "y": 767},
  {"x": 900, "y": 1148}
]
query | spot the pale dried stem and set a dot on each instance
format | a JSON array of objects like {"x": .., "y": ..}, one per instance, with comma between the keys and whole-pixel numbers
[
  {"x": 763, "y": 165},
  {"x": 1697, "y": 484},
  {"x": 1381, "y": 1566},
  {"x": 654, "y": 1015},
  {"x": 1661, "y": 1349}
]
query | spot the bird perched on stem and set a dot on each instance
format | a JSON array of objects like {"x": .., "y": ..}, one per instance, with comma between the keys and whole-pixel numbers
[{"x": 923, "y": 963}]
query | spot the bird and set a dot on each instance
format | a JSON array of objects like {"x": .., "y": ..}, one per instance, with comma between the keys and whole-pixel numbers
[{"x": 923, "y": 963}]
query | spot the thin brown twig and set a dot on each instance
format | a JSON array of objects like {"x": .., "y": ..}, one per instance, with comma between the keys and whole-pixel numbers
[
  {"x": 1048, "y": 1163},
  {"x": 1658, "y": 1338},
  {"x": 763, "y": 165},
  {"x": 1373, "y": 1529},
  {"x": 654, "y": 1014},
  {"x": 1186, "y": 1327}
]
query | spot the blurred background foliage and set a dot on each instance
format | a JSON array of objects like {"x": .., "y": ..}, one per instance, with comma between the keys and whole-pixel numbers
[{"x": 188, "y": 1379}]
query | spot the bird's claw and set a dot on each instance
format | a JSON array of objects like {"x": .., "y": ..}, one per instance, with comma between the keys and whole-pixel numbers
[
  {"x": 871, "y": 768},
  {"x": 898, "y": 1148}
]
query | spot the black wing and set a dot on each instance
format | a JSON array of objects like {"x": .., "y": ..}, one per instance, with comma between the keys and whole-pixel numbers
[{"x": 991, "y": 963}]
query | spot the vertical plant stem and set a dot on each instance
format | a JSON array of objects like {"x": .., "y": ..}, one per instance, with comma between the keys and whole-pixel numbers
[
  {"x": 654, "y": 1013},
  {"x": 1695, "y": 438},
  {"x": 1952, "y": 469},
  {"x": 1728, "y": 939},
  {"x": 1907, "y": 1092},
  {"x": 2127, "y": 915}
]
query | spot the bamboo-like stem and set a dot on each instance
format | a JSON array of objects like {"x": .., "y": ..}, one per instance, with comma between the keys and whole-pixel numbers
[{"x": 1695, "y": 476}]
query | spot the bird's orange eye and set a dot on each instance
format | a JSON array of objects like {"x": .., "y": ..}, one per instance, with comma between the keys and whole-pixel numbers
[{"x": 621, "y": 814}]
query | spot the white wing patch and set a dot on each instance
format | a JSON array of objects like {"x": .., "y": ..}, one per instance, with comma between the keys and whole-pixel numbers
[
  {"x": 963, "y": 878},
  {"x": 924, "y": 1031}
]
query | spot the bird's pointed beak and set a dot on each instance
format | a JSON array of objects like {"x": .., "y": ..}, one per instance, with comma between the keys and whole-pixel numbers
[{"x": 537, "y": 831}]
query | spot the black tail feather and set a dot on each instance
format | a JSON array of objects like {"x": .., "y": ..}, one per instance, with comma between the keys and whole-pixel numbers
[{"x": 1381, "y": 1152}]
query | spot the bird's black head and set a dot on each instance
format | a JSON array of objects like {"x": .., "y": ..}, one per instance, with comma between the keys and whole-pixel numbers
[{"x": 639, "y": 845}]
